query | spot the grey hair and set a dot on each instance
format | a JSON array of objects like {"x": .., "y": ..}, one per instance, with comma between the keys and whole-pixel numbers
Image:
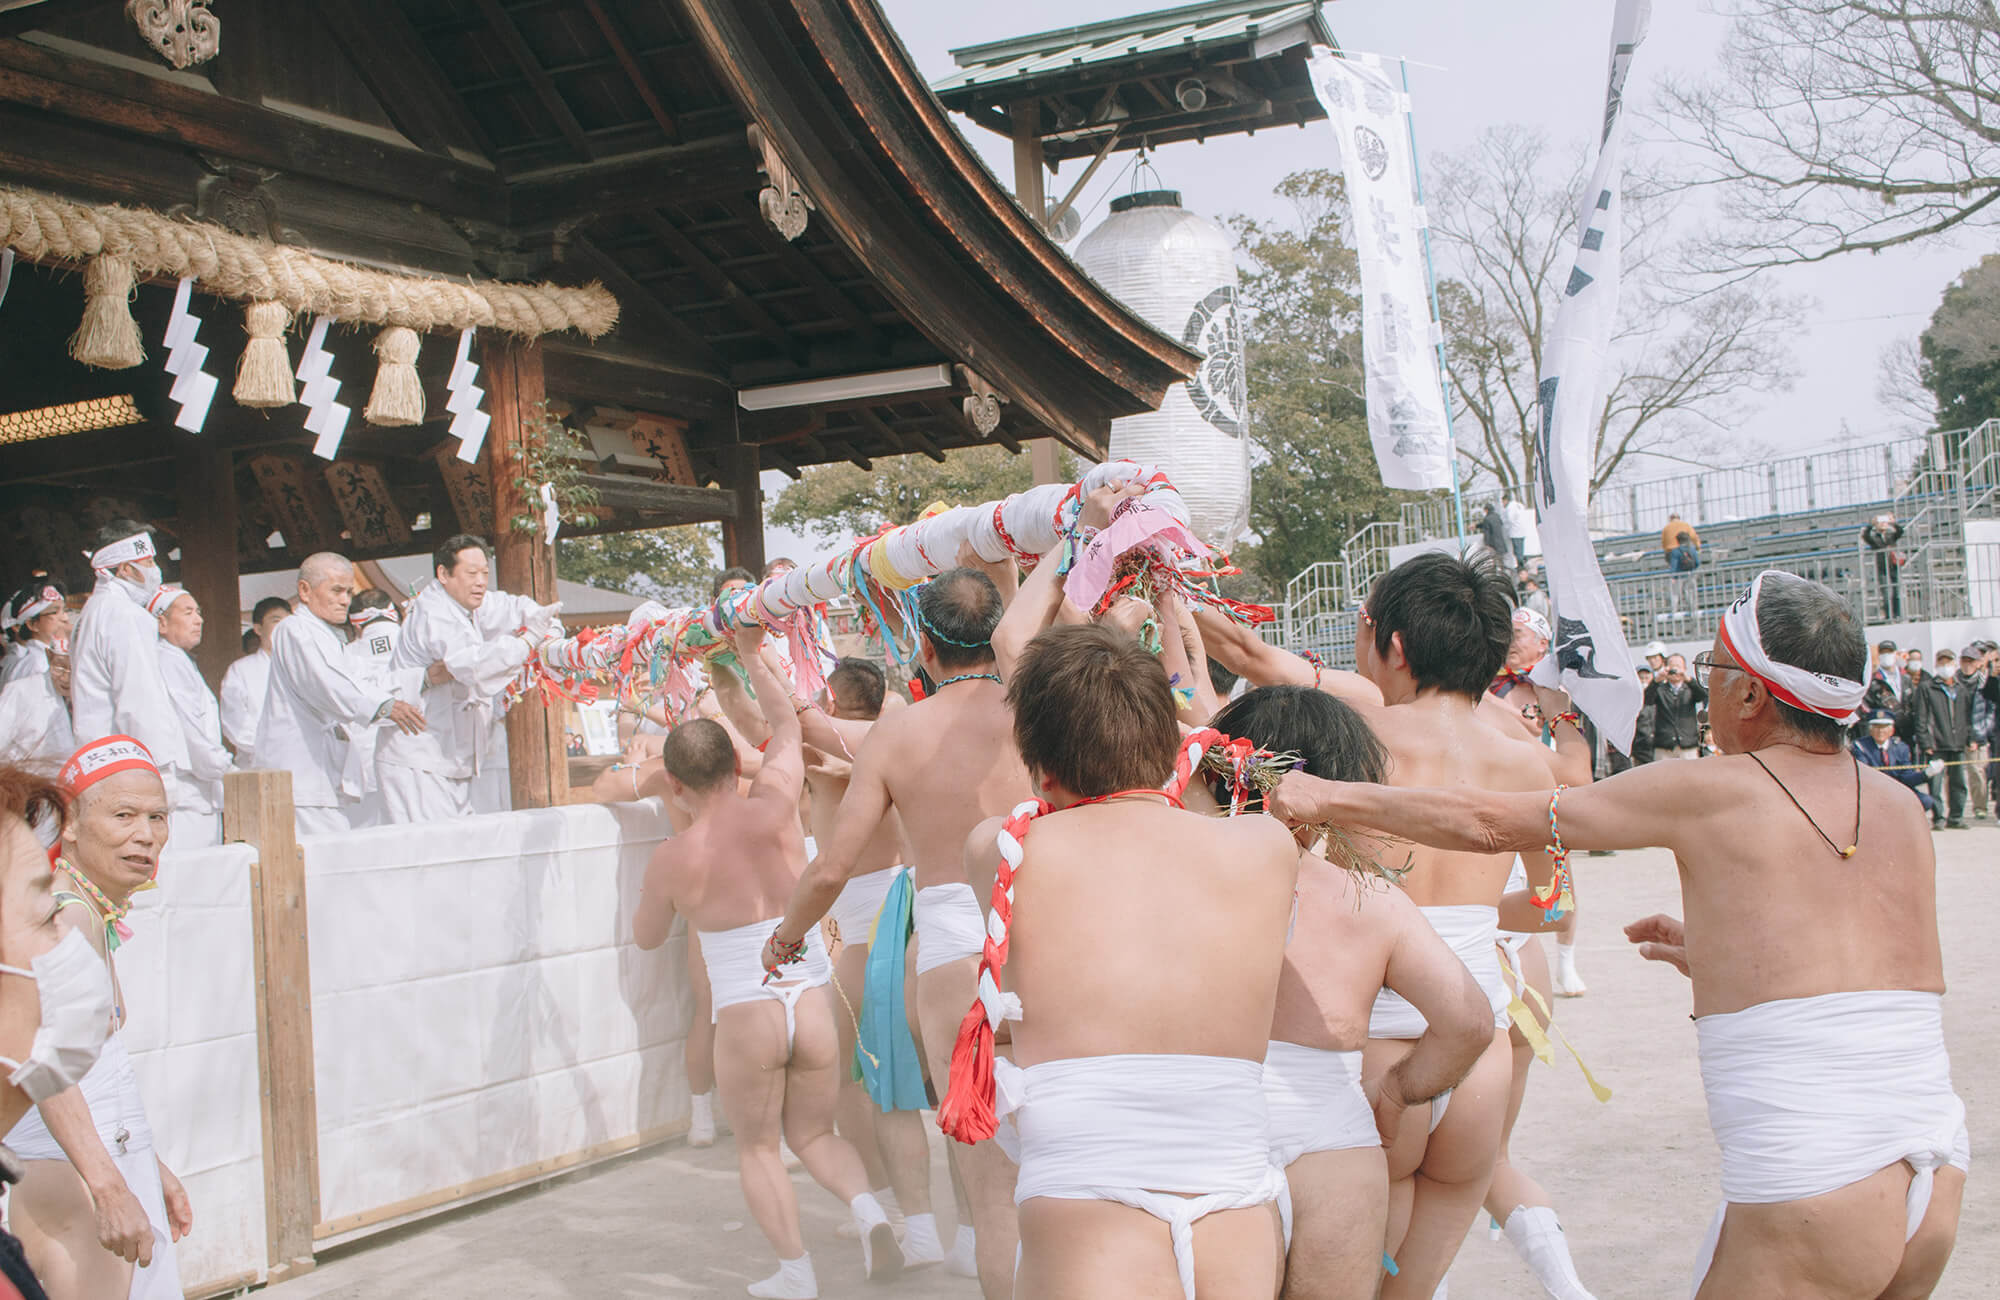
[
  {"x": 320, "y": 567},
  {"x": 1806, "y": 625}
]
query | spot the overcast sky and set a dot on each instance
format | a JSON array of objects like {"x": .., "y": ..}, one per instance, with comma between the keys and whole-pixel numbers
[{"x": 1536, "y": 62}]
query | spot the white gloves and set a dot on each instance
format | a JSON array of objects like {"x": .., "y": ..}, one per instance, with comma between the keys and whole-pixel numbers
[
  {"x": 1934, "y": 767},
  {"x": 542, "y": 623}
]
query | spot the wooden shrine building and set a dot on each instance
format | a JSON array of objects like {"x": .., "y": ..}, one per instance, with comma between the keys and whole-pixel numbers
[{"x": 713, "y": 237}]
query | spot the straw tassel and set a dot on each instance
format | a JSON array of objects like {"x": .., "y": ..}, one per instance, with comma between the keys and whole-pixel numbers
[
  {"x": 264, "y": 375},
  {"x": 108, "y": 338},
  {"x": 398, "y": 396}
]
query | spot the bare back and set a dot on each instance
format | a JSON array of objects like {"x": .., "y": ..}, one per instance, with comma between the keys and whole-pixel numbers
[
  {"x": 885, "y": 847},
  {"x": 1771, "y": 910},
  {"x": 949, "y": 763},
  {"x": 1338, "y": 957},
  {"x": 1198, "y": 909},
  {"x": 736, "y": 864},
  {"x": 1441, "y": 740}
]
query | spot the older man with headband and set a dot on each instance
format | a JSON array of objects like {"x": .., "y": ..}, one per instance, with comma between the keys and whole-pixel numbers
[
  {"x": 1811, "y": 938},
  {"x": 317, "y": 700},
  {"x": 115, "y": 683},
  {"x": 95, "y": 1199}
]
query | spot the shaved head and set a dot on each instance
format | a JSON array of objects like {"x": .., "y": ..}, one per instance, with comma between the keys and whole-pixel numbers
[{"x": 322, "y": 565}]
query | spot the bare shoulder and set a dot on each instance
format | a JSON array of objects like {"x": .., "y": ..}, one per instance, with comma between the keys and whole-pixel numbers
[
  {"x": 984, "y": 838},
  {"x": 1257, "y": 838}
]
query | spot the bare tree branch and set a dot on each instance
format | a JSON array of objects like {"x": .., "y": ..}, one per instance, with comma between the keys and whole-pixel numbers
[{"x": 1682, "y": 364}]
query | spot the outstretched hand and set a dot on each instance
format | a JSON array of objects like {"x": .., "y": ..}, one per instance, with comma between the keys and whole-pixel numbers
[
  {"x": 1301, "y": 799},
  {"x": 1661, "y": 938},
  {"x": 747, "y": 637},
  {"x": 1102, "y": 503}
]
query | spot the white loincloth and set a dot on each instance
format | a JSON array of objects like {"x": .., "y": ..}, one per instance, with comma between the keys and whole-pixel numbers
[
  {"x": 1471, "y": 930},
  {"x": 1315, "y": 1102},
  {"x": 111, "y": 1090},
  {"x": 859, "y": 902},
  {"x": 950, "y": 926},
  {"x": 1178, "y": 1137},
  {"x": 735, "y": 960},
  {"x": 1514, "y": 940},
  {"x": 1809, "y": 1095}
]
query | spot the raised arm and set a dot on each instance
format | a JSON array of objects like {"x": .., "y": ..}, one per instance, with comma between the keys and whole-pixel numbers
[
  {"x": 1005, "y": 573},
  {"x": 862, "y": 809},
  {"x": 783, "y": 774},
  {"x": 1037, "y": 606},
  {"x": 1643, "y": 807}
]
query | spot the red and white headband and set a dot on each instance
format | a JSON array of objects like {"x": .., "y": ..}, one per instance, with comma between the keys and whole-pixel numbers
[
  {"x": 102, "y": 758},
  {"x": 139, "y": 546},
  {"x": 1532, "y": 619},
  {"x": 48, "y": 599},
  {"x": 1829, "y": 696},
  {"x": 162, "y": 600},
  {"x": 363, "y": 617}
]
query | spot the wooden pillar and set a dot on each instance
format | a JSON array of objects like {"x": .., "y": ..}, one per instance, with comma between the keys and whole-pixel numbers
[
  {"x": 257, "y": 810},
  {"x": 1027, "y": 119},
  {"x": 538, "y": 762},
  {"x": 743, "y": 535},
  {"x": 1028, "y": 191},
  {"x": 206, "y": 483}
]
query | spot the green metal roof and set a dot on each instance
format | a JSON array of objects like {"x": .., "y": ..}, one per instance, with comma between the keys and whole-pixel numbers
[{"x": 1161, "y": 31}]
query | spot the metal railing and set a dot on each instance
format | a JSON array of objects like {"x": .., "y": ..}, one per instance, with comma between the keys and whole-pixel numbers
[{"x": 1933, "y": 484}]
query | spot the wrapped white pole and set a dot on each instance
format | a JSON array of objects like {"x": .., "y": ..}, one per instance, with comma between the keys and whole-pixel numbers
[{"x": 1030, "y": 523}]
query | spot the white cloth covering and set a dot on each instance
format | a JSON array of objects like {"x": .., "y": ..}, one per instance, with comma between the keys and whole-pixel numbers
[
  {"x": 1178, "y": 1137},
  {"x": 24, "y": 659},
  {"x": 1471, "y": 929},
  {"x": 243, "y": 688},
  {"x": 34, "y": 724},
  {"x": 735, "y": 961},
  {"x": 315, "y": 701},
  {"x": 196, "y": 791},
  {"x": 111, "y": 1090},
  {"x": 500, "y": 615},
  {"x": 115, "y": 682},
  {"x": 1808, "y": 1095},
  {"x": 1315, "y": 1102},
  {"x": 429, "y": 776},
  {"x": 859, "y": 902},
  {"x": 949, "y": 925}
]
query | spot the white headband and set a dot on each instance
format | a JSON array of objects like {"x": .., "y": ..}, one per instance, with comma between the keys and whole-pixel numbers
[
  {"x": 139, "y": 546},
  {"x": 163, "y": 600},
  {"x": 373, "y": 614},
  {"x": 1533, "y": 618},
  {"x": 1830, "y": 697}
]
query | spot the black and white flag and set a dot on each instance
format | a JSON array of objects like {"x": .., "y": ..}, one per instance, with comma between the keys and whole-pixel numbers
[{"x": 1589, "y": 655}]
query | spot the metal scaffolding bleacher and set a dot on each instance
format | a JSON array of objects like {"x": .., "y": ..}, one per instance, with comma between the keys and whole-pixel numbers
[{"x": 1803, "y": 514}]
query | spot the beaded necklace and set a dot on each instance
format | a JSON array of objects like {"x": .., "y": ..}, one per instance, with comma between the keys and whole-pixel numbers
[
  {"x": 113, "y": 916},
  {"x": 966, "y": 677}
]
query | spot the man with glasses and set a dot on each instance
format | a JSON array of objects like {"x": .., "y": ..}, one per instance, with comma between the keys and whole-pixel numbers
[
  {"x": 1677, "y": 704},
  {"x": 1811, "y": 939}
]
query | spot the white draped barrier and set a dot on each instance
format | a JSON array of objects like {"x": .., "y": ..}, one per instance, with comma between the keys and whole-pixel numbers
[
  {"x": 480, "y": 1016},
  {"x": 191, "y": 998}
]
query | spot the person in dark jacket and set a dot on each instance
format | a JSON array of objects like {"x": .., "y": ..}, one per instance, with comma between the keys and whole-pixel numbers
[
  {"x": 1881, "y": 535},
  {"x": 1880, "y": 748},
  {"x": 1941, "y": 718},
  {"x": 1642, "y": 730},
  {"x": 1677, "y": 704},
  {"x": 1493, "y": 531}
]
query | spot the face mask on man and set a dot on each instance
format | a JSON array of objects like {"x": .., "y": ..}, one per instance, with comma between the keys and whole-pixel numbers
[
  {"x": 77, "y": 1005},
  {"x": 1945, "y": 672}
]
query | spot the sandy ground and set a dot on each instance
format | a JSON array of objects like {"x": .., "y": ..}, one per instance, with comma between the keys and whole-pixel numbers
[{"x": 1634, "y": 1179}]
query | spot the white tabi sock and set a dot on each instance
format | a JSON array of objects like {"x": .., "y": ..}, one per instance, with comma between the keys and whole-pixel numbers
[
  {"x": 881, "y": 1257},
  {"x": 964, "y": 1258},
  {"x": 701, "y": 1123},
  {"x": 921, "y": 1244},
  {"x": 887, "y": 1196},
  {"x": 794, "y": 1280},
  {"x": 1539, "y": 1240}
]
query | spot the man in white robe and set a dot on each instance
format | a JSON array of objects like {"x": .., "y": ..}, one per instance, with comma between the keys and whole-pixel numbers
[
  {"x": 244, "y": 685},
  {"x": 196, "y": 792},
  {"x": 431, "y": 776},
  {"x": 116, "y": 688},
  {"x": 377, "y": 629},
  {"x": 34, "y": 681},
  {"x": 498, "y": 617},
  {"x": 316, "y": 701},
  {"x": 39, "y": 618}
]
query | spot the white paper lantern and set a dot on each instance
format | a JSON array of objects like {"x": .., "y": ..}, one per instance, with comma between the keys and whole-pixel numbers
[{"x": 1178, "y": 270}]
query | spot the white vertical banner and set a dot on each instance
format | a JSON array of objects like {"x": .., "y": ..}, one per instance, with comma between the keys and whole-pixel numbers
[
  {"x": 1406, "y": 415},
  {"x": 1589, "y": 654}
]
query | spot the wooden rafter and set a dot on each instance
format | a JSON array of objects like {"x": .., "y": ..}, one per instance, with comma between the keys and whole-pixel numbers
[
  {"x": 539, "y": 80},
  {"x": 898, "y": 437},
  {"x": 719, "y": 282},
  {"x": 802, "y": 264},
  {"x": 621, "y": 49},
  {"x": 392, "y": 61},
  {"x": 646, "y": 304}
]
